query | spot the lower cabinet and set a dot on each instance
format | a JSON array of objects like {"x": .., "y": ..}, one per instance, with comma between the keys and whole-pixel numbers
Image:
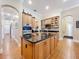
[
  {"x": 52, "y": 45},
  {"x": 56, "y": 39},
  {"x": 40, "y": 50},
  {"x": 47, "y": 49},
  {"x": 27, "y": 50},
  {"x": 54, "y": 42}
]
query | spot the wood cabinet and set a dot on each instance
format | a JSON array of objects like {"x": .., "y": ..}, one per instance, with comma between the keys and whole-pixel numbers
[
  {"x": 54, "y": 41},
  {"x": 39, "y": 50},
  {"x": 48, "y": 21},
  {"x": 27, "y": 50},
  {"x": 26, "y": 18},
  {"x": 53, "y": 22},
  {"x": 42, "y": 49},
  {"x": 33, "y": 22},
  {"x": 47, "y": 49},
  {"x": 43, "y": 24},
  {"x": 36, "y": 23}
]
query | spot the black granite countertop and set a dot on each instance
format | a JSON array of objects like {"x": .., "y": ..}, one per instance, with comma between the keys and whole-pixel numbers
[
  {"x": 46, "y": 30},
  {"x": 37, "y": 37}
]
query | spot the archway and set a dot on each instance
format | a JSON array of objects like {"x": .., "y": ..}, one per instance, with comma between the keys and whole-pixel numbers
[
  {"x": 10, "y": 22},
  {"x": 67, "y": 26},
  {"x": 9, "y": 15}
]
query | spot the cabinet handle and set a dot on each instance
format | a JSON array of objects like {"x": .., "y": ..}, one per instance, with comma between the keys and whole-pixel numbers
[{"x": 26, "y": 45}]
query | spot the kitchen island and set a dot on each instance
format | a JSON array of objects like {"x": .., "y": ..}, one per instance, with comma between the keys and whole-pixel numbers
[{"x": 40, "y": 45}]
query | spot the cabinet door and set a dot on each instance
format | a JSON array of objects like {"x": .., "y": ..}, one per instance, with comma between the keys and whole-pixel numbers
[
  {"x": 42, "y": 24},
  {"x": 52, "y": 44},
  {"x": 48, "y": 21},
  {"x": 56, "y": 39},
  {"x": 30, "y": 20},
  {"x": 27, "y": 50},
  {"x": 25, "y": 19},
  {"x": 47, "y": 49},
  {"x": 33, "y": 22},
  {"x": 39, "y": 51},
  {"x": 37, "y": 23}
]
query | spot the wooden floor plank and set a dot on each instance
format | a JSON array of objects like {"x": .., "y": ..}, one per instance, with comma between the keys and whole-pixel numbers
[
  {"x": 11, "y": 50},
  {"x": 67, "y": 49}
]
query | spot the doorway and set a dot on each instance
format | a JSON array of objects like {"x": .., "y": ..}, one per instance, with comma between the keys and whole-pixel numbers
[
  {"x": 10, "y": 17},
  {"x": 67, "y": 25}
]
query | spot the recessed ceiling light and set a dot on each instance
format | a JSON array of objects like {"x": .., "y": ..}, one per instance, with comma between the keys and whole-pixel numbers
[
  {"x": 47, "y": 7},
  {"x": 29, "y": 2},
  {"x": 64, "y": 0}
]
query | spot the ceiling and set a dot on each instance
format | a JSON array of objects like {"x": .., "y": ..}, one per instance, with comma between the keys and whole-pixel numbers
[{"x": 55, "y": 6}]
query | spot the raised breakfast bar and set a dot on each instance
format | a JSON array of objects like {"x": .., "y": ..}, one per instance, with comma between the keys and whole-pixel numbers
[{"x": 40, "y": 45}]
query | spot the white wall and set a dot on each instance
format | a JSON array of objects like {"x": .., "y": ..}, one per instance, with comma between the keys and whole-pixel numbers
[{"x": 0, "y": 33}]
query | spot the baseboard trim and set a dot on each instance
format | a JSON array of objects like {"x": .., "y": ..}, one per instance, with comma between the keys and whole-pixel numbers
[{"x": 70, "y": 37}]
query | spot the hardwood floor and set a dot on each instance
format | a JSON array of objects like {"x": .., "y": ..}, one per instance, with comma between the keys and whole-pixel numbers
[
  {"x": 67, "y": 49},
  {"x": 10, "y": 49},
  {"x": 0, "y": 56}
]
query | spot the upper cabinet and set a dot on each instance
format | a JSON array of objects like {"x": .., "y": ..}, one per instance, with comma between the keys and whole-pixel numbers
[
  {"x": 26, "y": 18},
  {"x": 55, "y": 22},
  {"x": 50, "y": 23},
  {"x": 35, "y": 23},
  {"x": 29, "y": 19}
]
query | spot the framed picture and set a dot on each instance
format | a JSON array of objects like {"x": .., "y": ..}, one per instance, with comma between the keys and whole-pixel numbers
[{"x": 77, "y": 24}]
